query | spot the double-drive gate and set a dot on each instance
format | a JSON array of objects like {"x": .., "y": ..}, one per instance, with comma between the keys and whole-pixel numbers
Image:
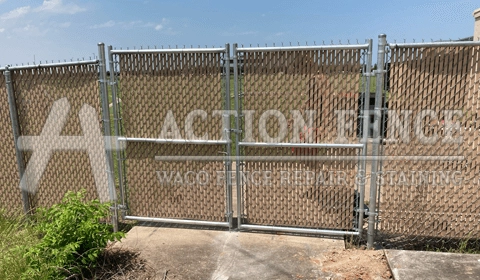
[{"x": 271, "y": 136}]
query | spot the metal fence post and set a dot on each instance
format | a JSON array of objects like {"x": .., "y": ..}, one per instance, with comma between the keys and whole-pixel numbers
[
  {"x": 366, "y": 122},
  {"x": 16, "y": 134},
  {"x": 380, "y": 74},
  {"x": 227, "y": 130},
  {"x": 106, "y": 127},
  {"x": 237, "y": 136},
  {"x": 117, "y": 129}
]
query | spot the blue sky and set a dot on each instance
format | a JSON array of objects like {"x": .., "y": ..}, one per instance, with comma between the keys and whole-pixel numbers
[{"x": 71, "y": 29}]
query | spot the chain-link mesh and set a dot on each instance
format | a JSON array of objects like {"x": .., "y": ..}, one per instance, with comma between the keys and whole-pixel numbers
[
  {"x": 36, "y": 89},
  {"x": 10, "y": 194},
  {"x": 299, "y": 187},
  {"x": 158, "y": 91},
  {"x": 430, "y": 179}
]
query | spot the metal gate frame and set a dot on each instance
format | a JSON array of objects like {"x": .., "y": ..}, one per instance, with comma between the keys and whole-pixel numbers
[
  {"x": 122, "y": 140},
  {"x": 362, "y": 145}
]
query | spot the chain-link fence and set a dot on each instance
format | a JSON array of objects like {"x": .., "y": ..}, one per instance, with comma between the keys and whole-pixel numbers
[
  {"x": 36, "y": 90},
  {"x": 298, "y": 121},
  {"x": 429, "y": 183},
  {"x": 171, "y": 105},
  {"x": 290, "y": 100}
]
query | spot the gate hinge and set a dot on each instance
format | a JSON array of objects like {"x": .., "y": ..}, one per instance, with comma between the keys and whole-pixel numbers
[
  {"x": 379, "y": 71},
  {"x": 371, "y": 213}
]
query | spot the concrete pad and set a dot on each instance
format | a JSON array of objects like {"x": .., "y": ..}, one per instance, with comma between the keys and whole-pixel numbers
[
  {"x": 209, "y": 254},
  {"x": 407, "y": 265}
]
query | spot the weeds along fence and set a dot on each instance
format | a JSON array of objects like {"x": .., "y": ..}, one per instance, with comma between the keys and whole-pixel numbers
[{"x": 303, "y": 139}]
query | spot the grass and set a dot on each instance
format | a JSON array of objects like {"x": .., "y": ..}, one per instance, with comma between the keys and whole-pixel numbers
[
  {"x": 16, "y": 234},
  {"x": 68, "y": 239},
  {"x": 465, "y": 245}
]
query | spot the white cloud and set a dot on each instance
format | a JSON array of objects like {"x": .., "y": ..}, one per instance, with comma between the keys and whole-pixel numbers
[
  {"x": 162, "y": 25},
  {"x": 243, "y": 33},
  {"x": 65, "y": 24},
  {"x": 18, "y": 12},
  {"x": 47, "y": 7},
  {"x": 31, "y": 30},
  {"x": 58, "y": 7},
  {"x": 248, "y": 33},
  {"x": 107, "y": 24},
  {"x": 1, "y": 30}
]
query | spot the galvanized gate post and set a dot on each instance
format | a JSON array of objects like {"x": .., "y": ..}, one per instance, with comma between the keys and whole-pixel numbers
[
  {"x": 238, "y": 134},
  {"x": 366, "y": 123},
  {"x": 226, "y": 136},
  {"x": 380, "y": 73},
  {"x": 16, "y": 134},
  {"x": 102, "y": 66},
  {"x": 117, "y": 131}
]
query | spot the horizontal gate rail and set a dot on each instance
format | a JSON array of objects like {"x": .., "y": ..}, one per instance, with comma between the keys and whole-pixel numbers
[
  {"x": 150, "y": 51},
  {"x": 303, "y": 48},
  {"x": 58, "y": 64},
  {"x": 300, "y": 230},
  {"x": 302, "y": 145},
  {"x": 178, "y": 221},
  {"x": 434, "y": 44},
  {"x": 173, "y": 141}
]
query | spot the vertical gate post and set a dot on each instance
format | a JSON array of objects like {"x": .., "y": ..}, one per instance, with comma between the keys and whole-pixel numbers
[
  {"x": 238, "y": 134},
  {"x": 16, "y": 134},
  {"x": 380, "y": 73},
  {"x": 106, "y": 128},
  {"x": 117, "y": 129},
  {"x": 226, "y": 136},
  {"x": 366, "y": 123}
]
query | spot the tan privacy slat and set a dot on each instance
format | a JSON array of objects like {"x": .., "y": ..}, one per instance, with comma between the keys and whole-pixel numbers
[
  {"x": 151, "y": 85},
  {"x": 10, "y": 195},
  {"x": 442, "y": 78},
  {"x": 323, "y": 81},
  {"x": 35, "y": 91}
]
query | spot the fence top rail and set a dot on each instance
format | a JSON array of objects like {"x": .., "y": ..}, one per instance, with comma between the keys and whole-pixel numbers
[
  {"x": 304, "y": 48},
  {"x": 57, "y": 64},
  {"x": 152, "y": 51},
  {"x": 435, "y": 44}
]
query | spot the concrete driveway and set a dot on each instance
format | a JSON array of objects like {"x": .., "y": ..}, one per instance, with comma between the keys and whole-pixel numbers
[{"x": 215, "y": 254}]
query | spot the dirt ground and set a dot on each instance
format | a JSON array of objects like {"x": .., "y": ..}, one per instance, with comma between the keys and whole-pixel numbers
[{"x": 357, "y": 264}]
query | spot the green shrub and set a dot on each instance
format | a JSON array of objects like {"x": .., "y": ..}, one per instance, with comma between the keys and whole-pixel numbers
[{"x": 73, "y": 236}]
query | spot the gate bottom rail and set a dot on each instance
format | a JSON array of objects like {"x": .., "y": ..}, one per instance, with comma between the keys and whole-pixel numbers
[
  {"x": 299, "y": 230},
  {"x": 178, "y": 221}
]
